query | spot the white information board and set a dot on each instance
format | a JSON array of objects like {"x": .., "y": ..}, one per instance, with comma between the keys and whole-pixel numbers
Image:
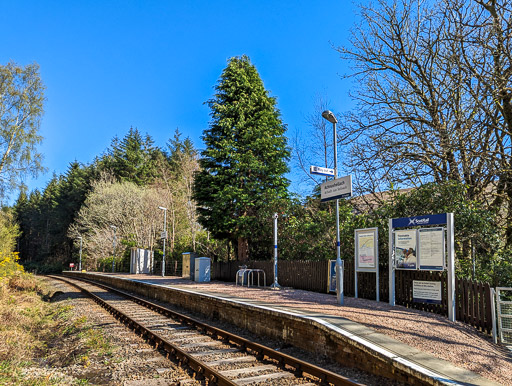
[
  {"x": 431, "y": 249},
  {"x": 405, "y": 249},
  {"x": 426, "y": 291}
]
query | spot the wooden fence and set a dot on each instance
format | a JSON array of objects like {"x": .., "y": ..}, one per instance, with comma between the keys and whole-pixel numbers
[{"x": 473, "y": 299}]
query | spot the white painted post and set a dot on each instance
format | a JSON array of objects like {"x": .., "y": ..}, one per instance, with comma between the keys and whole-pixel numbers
[
  {"x": 275, "y": 285},
  {"x": 451, "y": 267},
  {"x": 493, "y": 316},
  {"x": 377, "y": 281},
  {"x": 355, "y": 261},
  {"x": 165, "y": 237},
  {"x": 80, "y": 263},
  {"x": 391, "y": 265}
]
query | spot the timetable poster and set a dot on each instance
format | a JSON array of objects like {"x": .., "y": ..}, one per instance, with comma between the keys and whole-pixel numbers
[
  {"x": 405, "y": 249},
  {"x": 431, "y": 249}
]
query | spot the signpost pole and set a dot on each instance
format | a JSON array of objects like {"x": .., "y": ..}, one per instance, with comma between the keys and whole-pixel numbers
[
  {"x": 451, "y": 267},
  {"x": 328, "y": 115},
  {"x": 391, "y": 265},
  {"x": 339, "y": 266}
]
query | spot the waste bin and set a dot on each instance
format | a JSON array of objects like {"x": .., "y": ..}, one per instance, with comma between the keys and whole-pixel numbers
[
  {"x": 188, "y": 267},
  {"x": 202, "y": 269}
]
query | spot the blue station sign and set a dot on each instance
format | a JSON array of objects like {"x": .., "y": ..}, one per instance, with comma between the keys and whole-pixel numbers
[{"x": 433, "y": 219}]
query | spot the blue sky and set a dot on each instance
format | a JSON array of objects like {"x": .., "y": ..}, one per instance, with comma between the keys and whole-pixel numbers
[{"x": 112, "y": 65}]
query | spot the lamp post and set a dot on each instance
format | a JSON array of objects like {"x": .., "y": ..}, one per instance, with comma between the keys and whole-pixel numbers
[
  {"x": 164, "y": 237},
  {"x": 80, "y": 261},
  {"x": 114, "y": 247},
  {"x": 328, "y": 115}
]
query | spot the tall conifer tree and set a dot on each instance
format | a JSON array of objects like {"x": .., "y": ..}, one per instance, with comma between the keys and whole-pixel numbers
[
  {"x": 132, "y": 158},
  {"x": 245, "y": 159}
]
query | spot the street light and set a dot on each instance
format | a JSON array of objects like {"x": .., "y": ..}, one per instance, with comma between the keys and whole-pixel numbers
[
  {"x": 80, "y": 262},
  {"x": 328, "y": 115},
  {"x": 164, "y": 236},
  {"x": 114, "y": 245}
]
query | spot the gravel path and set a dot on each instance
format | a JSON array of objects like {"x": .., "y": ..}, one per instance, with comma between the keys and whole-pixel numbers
[{"x": 455, "y": 342}]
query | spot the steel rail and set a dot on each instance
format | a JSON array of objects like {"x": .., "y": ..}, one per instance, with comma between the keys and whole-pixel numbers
[
  {"x": 299, "y": 366},
  {"x": 199, "y": 368}
]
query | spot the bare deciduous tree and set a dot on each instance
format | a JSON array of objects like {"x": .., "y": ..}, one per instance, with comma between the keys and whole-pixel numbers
[
  {"x": 130, "y": 208},
  {"x": 433, "y": 92}
]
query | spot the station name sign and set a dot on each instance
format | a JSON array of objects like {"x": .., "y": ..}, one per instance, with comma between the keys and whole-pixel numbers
[{"x": 335, "y": 189}]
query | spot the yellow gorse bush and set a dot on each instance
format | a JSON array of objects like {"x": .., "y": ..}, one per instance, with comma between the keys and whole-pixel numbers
[{"x": 9, "y": 264}]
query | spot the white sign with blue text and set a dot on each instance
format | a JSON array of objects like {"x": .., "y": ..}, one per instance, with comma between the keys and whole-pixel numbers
[
  {"x": 426, "y": 291},
  {"x": 319, "y": 171}
]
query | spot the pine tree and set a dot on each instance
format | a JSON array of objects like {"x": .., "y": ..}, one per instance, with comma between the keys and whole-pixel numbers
[
  {"x": 245, "y": 159},
  {"x": 132, "y": 159},
  {"x": 44, "y": 217}
]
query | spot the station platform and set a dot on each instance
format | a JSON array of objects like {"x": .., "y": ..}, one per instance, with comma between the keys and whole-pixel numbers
[{"x": 424, "y": 348}]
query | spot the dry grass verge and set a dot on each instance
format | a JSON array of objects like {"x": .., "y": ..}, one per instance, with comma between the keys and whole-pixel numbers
[{"x": 36, "y": 331}]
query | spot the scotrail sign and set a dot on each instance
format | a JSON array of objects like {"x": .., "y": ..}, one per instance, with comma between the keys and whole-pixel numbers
[
  {"x": 338, "y": 188},
  {"x": 319, "y": 171},
  {"x": 432, "y": 219}
]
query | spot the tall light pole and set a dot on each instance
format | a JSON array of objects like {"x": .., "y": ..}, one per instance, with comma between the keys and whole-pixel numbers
[
  {"x": 339, "y": 272},
  {"x": 114, "y": 247},
  {"x": 80, "y": 261},
  {"x": 164, "y": 236}
]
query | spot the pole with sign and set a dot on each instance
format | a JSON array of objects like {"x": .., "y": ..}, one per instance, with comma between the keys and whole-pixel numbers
[{"x": 331, "y": 190}]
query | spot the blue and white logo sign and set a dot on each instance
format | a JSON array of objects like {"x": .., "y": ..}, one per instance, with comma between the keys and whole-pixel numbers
[{"x": 433, "y": 219}]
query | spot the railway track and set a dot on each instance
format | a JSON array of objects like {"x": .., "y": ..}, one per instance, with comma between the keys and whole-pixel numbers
[{"x": 216, "y": 356}]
